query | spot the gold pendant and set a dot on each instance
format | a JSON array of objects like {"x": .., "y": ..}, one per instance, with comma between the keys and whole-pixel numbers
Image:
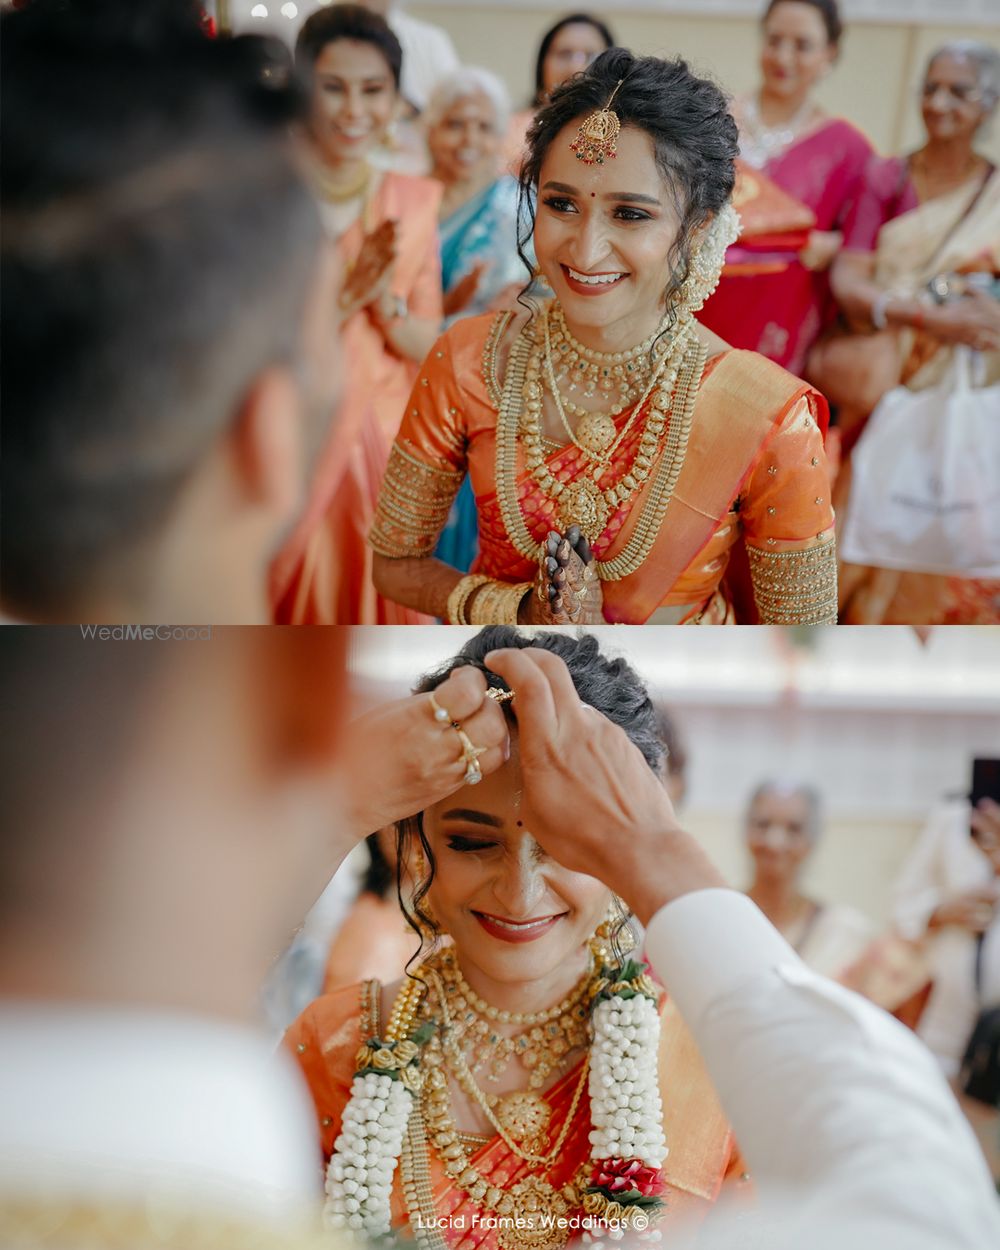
[
  {"x": 523, "y": 1114},
  {"x": 582, "y": 503},
  {"x": 540, "y": 1209},
  {"x": 596, "y": 432}
]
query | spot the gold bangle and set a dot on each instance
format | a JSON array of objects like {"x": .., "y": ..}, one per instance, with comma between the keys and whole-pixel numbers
[
  {"x": 497, "y": 603},
  {"x": 459, "y": 597}
]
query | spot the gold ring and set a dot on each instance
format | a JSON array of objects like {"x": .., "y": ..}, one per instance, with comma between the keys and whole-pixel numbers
[
  {"x": 442, "y": 716},
  {"x": 498, "y": 695},
  {"x": 470, "y": 758}
]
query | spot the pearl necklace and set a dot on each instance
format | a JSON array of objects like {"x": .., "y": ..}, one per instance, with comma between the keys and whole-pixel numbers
[{"x": 760, "y": 143}]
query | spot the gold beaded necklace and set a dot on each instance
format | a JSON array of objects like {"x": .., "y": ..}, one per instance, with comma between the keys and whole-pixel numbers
[
  {"x": 595, "y": 434},
  {"x": 583, "y": 501}
]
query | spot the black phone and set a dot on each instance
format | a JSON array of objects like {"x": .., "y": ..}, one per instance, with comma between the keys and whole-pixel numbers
[{"x": 985, "y": 782}]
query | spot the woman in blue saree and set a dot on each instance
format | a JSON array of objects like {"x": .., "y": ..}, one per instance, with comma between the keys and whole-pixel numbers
[{"x": 481, "y": 271}]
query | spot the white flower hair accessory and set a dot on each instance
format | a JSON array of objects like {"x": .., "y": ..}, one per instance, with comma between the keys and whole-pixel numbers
[{"x": 708, "y": 259}]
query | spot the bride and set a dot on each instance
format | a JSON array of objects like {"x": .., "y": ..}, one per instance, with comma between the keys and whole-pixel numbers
[
  {"x": 524, "y": 1082},
  {"x": 624, "y": 459}
]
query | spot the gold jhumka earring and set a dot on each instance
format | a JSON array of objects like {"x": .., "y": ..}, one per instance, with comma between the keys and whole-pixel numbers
[{"x": 595, "y": 141}]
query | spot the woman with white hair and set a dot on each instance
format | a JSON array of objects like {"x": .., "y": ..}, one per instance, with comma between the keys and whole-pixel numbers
[
  {"x": 466, "y": 120},
  {"x": 924, "y": 224},
  {"x": 782, "y": 827}
]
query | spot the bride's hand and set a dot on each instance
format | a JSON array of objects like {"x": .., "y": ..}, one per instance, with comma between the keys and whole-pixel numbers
[
  {"x": 401, "y": 758},
  {"x": 567, "y": 590}
]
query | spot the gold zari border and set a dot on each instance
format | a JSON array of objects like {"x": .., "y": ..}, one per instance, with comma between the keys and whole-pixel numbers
[
  {"x": 68, "y": 1225},
  {"x": 413, "y": 506},
  {"x": 796, "y": 587}
]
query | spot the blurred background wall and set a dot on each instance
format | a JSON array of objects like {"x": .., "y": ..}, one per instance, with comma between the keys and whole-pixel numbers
[{"x": 884, "y": 724}]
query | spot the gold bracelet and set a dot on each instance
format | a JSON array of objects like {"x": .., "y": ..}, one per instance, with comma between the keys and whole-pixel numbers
[
  {"x": 459, "y": 597},
  {"x": 497, "y": 603}
]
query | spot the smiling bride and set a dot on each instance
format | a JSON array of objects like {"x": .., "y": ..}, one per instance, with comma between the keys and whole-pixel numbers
[
  {"x": 620, "y": 454},
  {"x": 524, "y": 1083}
]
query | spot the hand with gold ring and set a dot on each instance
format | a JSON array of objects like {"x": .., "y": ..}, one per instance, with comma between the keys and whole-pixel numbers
[{"x": 409, "y": 754}]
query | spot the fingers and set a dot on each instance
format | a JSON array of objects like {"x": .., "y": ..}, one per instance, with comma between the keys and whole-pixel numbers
[
  {"x": 562, "y": 563},
  {"x": 461, "y": 693},
  {"x": 544, "y": 695},
  {"x": 463, "y": 697}
]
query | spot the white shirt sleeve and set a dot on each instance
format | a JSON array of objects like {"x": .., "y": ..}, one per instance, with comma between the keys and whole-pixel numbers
[{"x": 832, "y": 1101}]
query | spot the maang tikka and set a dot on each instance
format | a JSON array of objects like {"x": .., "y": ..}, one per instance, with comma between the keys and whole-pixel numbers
[{"x": 595, "y": 141}]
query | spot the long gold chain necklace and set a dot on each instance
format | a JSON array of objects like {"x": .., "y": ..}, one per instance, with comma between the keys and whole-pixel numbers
[
  {"x": 520, "y": 1119},
  {"x": 583, "y": 501},
  {"x": 513, "y": 400}
]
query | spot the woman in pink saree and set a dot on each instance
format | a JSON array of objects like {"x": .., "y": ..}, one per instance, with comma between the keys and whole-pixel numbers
[{"x": 775, "y": 298}]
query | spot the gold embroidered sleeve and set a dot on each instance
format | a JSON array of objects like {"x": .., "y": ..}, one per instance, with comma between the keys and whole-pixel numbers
[
  {"x": 796, "y": 587},
  {"x": 413, "y": 505}
]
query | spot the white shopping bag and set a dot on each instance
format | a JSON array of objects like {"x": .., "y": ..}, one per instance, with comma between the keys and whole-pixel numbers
[{"x": 925, "y": 488}]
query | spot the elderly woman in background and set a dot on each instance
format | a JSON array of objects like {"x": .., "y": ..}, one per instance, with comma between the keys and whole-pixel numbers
[
  {"x": 779, "y": 305},
  {"x": 922, "y": 222},
  {"x": 466, "y": 120},
  {"x": 566, "y": 48},
  {"x": 384, "y": 227},
  {"x": 782, "y": 827}
]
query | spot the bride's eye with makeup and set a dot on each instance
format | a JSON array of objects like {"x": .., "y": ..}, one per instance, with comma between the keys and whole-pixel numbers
[{"x": 468, "y": 845}]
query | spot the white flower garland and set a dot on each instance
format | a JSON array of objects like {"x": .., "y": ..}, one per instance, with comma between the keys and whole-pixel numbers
[
  {"x": 625, "y": 1106},
  {"x": 365, "y": 1155},
  {"x": 626, "y": 1114}
]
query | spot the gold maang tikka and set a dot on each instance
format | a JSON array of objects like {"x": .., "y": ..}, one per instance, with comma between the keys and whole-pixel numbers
[{"x": 595, "y": 141}]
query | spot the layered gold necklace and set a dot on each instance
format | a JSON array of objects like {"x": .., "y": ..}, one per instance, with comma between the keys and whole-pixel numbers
[
  {"x": 470, "y": 1040},
  {"x": 465, "y": 1026},
  {"x": 664, "y": 410}
]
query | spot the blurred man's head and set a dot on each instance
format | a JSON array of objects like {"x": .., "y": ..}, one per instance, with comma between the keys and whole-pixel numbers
[
  {"x": 158, "y": 254},
  {"x": 170, "y": 810}
]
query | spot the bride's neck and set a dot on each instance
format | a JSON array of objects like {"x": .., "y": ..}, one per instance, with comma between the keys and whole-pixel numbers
[
  {"x": 619, "y": 336},
  {"x": 527, "y": 996}
]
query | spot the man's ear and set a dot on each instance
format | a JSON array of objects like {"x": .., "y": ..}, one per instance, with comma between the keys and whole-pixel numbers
[{"x": 266, "y": 444}]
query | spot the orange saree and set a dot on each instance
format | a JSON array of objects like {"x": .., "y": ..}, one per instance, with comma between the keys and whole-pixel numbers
[
  {"x": 322, "y": 576},
  {"x": 325, "y": 1040},
  {"x": 754, "y": 473}
]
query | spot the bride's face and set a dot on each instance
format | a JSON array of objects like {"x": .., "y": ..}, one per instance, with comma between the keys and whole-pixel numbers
[
  {"x": 514, "y": 915},
  {"x": 603, "y": 233}
]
